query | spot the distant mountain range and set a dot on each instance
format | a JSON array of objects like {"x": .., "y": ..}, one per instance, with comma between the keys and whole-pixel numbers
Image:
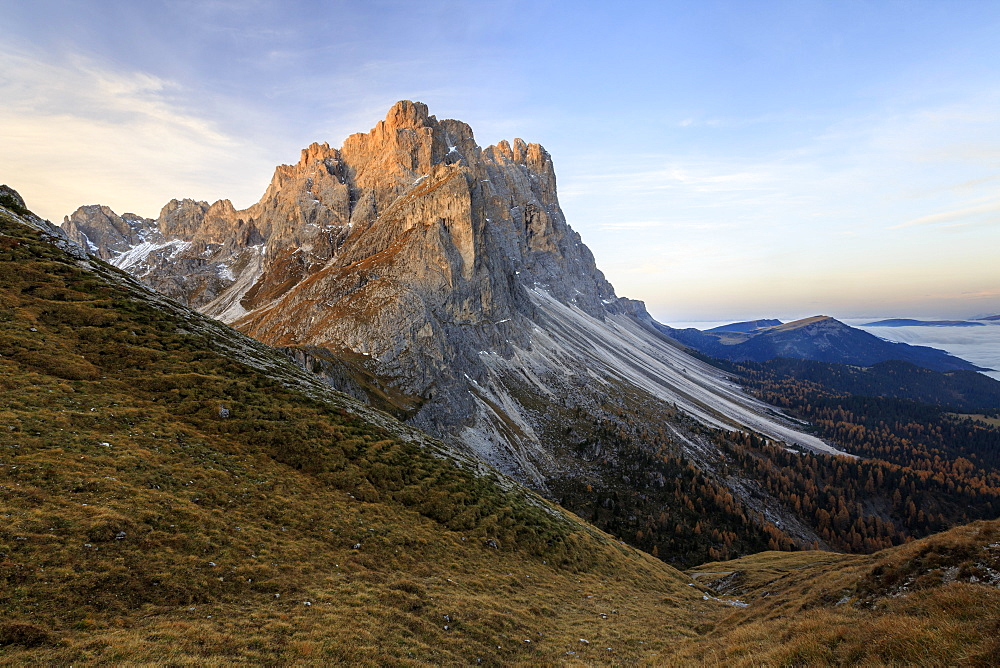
[{"x": 819, "y": 338}]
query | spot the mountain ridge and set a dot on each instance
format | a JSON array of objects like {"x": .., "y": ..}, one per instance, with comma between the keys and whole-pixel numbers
[{"x": 745, "y": 326}]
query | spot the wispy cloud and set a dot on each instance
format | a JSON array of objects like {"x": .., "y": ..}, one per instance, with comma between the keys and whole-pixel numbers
[
  {"x": 955, "y": 214},
  {"x": 972, "y": 184},
  {"x": 80, "y": 131},
  {"x": 692, "y": 176},
  {"x": 632, "y": 225},
  {"x": 981, "y": 294}
]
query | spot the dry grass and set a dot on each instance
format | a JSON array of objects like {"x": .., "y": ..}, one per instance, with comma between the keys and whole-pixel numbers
[
  {"x": 978, "y": 417},
  {"x": 931, "y": 602}
]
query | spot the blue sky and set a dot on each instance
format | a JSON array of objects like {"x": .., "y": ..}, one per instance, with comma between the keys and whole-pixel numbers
[{"x": 721, "y": 159}]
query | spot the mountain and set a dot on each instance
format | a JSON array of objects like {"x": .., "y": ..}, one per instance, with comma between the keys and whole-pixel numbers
[
  {"x": 820, "y": 338},
  {"x": 908, "y": 322},
  {"x": 990, "y": 317},
  {"x": 176, "y": 492},
  {"x": 441, "y": 281}
]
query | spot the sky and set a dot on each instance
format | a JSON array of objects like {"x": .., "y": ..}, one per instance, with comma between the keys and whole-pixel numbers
[{"x": 723, "y": 160}]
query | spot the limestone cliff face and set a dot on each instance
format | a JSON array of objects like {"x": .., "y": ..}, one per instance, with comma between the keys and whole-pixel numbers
[
  {"x": 448, "y": 269},
  {"x": 410, "y": 244},
  {"x": 106, "y": 234},
  {"x": 415, "y": 247}
]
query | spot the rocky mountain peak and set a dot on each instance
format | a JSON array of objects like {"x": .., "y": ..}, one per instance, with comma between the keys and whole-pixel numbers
[
  {"x": 405, "y": 146},
  {"x": 182, "y": 218},
  {"x": 101, "y": 231},
  {"x": 222, "y": 207},
  {"x": 407, "y": 114},
  {"x": 444, "y": 273},
  {"x": 532, "y": 155},
  {"x": 315, "y": 153}
]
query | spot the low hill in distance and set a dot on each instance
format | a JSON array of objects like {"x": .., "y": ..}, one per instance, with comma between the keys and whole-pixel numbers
[
  {"x": 820, "y": 338},
  {"x": 747, "y": 326}
]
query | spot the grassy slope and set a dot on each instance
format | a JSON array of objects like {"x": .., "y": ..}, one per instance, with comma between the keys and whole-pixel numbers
[
  {"x": 138, "y": 524},
  {"x": 931, "y": 602}
]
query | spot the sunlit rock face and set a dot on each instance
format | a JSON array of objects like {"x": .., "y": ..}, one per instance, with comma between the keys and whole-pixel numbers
[
  {"x": 446, "y": 270},
  {"x": 418, "y": 246}
]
